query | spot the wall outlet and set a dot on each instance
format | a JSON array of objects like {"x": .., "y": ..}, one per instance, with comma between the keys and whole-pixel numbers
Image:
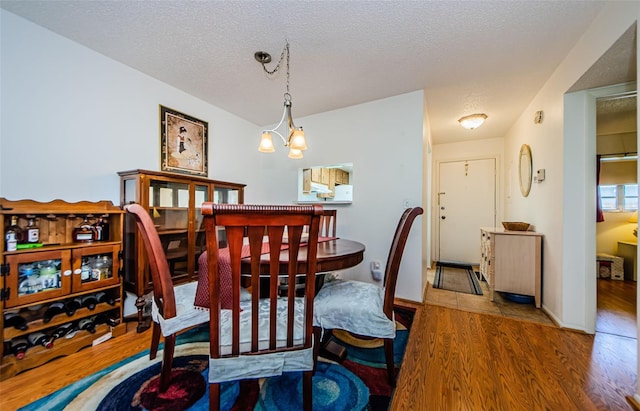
[{"x": 376, "y": 271}]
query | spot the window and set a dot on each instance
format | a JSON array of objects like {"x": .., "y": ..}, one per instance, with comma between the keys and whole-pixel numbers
[{"x": 621, "y": 197}]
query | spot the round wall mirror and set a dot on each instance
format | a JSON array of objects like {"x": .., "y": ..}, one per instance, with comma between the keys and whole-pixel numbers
[{"x": 525, "y": 167}]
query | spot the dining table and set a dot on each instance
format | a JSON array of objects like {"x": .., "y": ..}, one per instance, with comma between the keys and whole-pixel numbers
[{"x": 333, "y": 255}]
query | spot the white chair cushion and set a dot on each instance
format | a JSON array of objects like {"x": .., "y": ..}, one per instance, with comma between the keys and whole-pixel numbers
[
  {"x": 264, "y": 365},
  {"x": 353, "y": 306},
  {"x": 187, "y": 315}
]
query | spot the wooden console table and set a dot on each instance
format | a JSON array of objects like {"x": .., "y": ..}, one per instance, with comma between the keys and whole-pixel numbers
[{"x": 511, "y": 261}]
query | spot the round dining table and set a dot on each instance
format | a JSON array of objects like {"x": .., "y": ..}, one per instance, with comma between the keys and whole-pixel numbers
[{"x": 333, "y": 255}]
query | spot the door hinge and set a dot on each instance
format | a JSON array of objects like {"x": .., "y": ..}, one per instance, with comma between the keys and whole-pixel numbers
[
  {"x": 5, "y": 293},
  {"x": 4, "y": 270}
]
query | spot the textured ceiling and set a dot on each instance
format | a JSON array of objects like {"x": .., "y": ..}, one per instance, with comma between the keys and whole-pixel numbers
[{"x": 468, "y": 56}]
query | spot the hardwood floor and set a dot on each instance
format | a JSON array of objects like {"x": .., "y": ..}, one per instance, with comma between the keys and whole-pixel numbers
[
  {"x": 455, "y": 360},
  {"x": 461, "y": 360}
]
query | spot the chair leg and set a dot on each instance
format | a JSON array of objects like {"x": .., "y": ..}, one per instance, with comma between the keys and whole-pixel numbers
[
  {"x": 167, "y": 362},
  {"x": 214, "y": 397},
  {"x": 155, "y": 340},
  {"x": 391, "y": 367},
  {"x": 317, "y": 332},
  {"x": 307, "y": 390}
]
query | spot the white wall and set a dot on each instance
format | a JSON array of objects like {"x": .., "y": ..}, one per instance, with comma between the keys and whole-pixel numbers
[
  {"x": 384, "y": 141},
  {"x": 72, "y": 118},
  {"x": 559, "y": 206}
]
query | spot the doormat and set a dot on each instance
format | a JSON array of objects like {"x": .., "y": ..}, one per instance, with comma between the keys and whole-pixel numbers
[{"x": 456, "y": 276}]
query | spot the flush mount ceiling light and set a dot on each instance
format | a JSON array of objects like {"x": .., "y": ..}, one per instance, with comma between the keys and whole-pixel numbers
[
  {"x": 295, "y": 135},
  {"x": 472, "y": 121}
]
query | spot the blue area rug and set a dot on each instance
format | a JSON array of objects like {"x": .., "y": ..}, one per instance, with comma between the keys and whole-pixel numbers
[{"x": 359, "y": 383}]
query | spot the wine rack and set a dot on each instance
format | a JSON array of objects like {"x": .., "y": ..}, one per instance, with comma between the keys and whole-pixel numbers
[{"x": 58, "y": 269}]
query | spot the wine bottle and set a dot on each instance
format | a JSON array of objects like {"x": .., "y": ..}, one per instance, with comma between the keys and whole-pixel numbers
[
  {"x": 87, "y": 324},
  {"x": 89, "y": 301},
  {"x": 16, "y": 321},
  {"x": 103, "y": 318},
  {"x": 40, "y": 338},
  {"x": 72, "y": 305},
  {"x": 63, "y": 330},
  {"x": 18, "y": 347},
  {"x": 53, "y": 310},
  {"x": 14, "y": 235},
  {"x": 102, "y": 228},
  {"x": 103, "y": 297},
  {"x": 32, "y": 231}
]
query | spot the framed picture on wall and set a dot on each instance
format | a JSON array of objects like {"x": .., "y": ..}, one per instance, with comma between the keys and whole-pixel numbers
[{"x": 183, "y": 143}]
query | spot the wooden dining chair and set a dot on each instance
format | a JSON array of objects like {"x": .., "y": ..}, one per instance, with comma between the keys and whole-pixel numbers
[
  {"x": 327, "y": 229},
  {"x": 366, "y": 309},
  {"x": 172, "y": 308},
  {"x": 328, "y": 223},
  {"x": 262, "y": 337}
]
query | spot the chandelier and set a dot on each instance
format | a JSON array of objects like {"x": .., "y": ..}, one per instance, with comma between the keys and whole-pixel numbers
[{"x": 295, "y": 135}]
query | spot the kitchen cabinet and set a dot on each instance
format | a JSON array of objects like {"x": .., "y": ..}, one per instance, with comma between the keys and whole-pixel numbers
[
  {"x": 174, "y": 202},
  {"x": 511, "y": 261},
  {"x": 57, "y": 270}
]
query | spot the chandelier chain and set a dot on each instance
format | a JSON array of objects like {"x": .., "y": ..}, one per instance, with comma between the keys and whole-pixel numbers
[{"x": 285, "y": 50}]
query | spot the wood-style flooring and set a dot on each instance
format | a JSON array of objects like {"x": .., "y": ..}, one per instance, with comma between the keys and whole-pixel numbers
[
  {"x": 455, "y": 360},
  {"x": 461, "y": 360}
]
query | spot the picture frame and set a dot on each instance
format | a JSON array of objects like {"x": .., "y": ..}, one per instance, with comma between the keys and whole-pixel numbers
[{"x": 183, "y": 143}]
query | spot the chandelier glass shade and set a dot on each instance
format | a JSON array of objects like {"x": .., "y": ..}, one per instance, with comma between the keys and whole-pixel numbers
[
  {"x": 472, "y": 121},
  {"x": 295, "y": 138}
]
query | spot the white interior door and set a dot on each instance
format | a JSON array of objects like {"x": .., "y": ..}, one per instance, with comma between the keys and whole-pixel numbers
[{"x": 466, "y": 201}]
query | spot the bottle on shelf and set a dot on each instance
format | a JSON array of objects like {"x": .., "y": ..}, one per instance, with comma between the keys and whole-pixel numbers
[
  {"x": 62, "y": 330},
  {"x": 32, "y": 231},
  {"x": 103, "y": 318},
  {"x": 16, "y": 321},
  {"x": 105, "y": 297},
  {"x": 54, "y": 309},
  {"x": 40, "y": 338},
  {"x": 13, "y": 235},
  {"x": 18, "y": 347},
  {"x": 85, "y": 232},
  {"x": 87, "y": 324},
  {"x": 89, "y": 301},
  {"x": 102, "y": 228},
  {"x": 72, "y": 304}
]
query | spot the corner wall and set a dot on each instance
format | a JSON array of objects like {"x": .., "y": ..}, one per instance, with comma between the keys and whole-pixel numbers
[{"x": 559, "y": 206}]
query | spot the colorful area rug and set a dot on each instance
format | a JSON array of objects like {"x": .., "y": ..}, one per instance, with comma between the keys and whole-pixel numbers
[{"x": 359, "y": 383}]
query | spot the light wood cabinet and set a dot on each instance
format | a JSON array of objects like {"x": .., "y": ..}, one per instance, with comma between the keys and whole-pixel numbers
[
  {"x": 511, "y": 261},
  {"x": 54, "y": 272},
  {"x": 174, "y": 202}
]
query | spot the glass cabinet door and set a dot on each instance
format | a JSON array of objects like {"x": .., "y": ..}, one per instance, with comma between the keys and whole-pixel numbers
[
  {"x": 38, "y": 276},
  {"x": 201, "y": 195},
  {"x": 169, "y": 209},
  {"x": 95, "y": 267},
  {"x": 225, "y": 195}
]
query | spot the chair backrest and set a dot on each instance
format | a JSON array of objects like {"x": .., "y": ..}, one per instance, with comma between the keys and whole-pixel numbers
[
  {"x": 163, "y": 294},
  {"x": 328, "y": 223},
  {"x": 252, "y": 228},
  {"x": 395, "y": 256}
]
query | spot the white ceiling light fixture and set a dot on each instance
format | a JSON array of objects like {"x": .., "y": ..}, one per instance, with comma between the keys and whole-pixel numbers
[
  {"x": 295, "y": 135},
  {"x": 472, "y": 121}
]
